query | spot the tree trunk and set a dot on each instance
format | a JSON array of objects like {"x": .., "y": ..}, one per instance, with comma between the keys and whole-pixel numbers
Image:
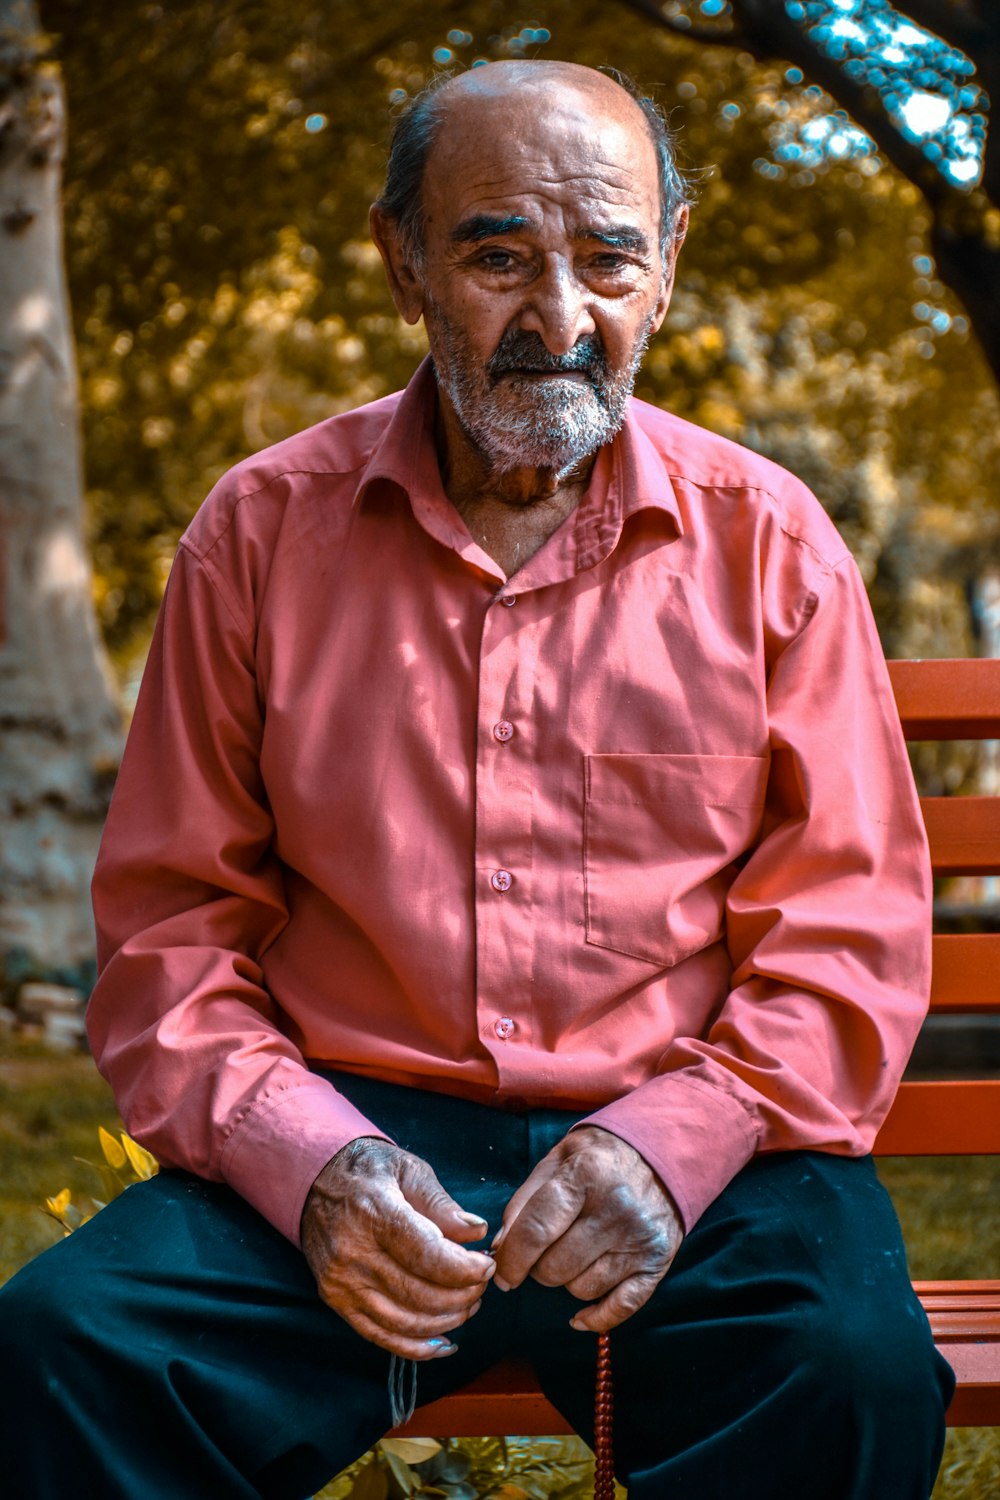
[{"x": 59, "y": 717}]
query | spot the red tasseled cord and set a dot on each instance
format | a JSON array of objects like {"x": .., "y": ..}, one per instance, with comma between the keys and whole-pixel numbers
[{"x": 604, "y": 1472}]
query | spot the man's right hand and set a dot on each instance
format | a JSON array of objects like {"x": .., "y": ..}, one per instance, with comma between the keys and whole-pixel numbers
[{"x": 383, "y": 1240}]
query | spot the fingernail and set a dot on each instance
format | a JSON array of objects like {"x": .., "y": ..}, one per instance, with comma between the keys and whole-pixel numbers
[
  {"x": 501, "y": 1284},
  {"x": 473, "y": 1219},
  {"x": 580, "y": 1327},
  {"x": 441, "y": 1346}
]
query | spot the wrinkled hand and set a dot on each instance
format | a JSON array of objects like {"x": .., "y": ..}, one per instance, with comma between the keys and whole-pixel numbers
[
  {"x": 593, "y": 1217},
  {"x": 383, "y": 1238}
]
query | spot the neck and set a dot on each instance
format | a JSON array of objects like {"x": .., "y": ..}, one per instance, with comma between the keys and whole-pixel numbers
[
  {"x": 510, "y": 513},
  {"x": 470, "y": 478}
]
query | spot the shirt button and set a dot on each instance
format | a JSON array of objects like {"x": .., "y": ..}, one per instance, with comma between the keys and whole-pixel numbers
[
  {"x": 504, "y": 1027},
  {"x": 508, "y": 599},
  {"x": 501, "y": 880},
  {"x": 503, "y": 731}
]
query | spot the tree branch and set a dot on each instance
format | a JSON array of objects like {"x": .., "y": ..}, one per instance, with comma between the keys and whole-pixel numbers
[
  {"x": 766, "y": 30},
  {"x": 950, "y": 23}
]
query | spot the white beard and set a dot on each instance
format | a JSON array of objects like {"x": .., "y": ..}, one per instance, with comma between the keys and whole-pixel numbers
[{"x": 529, "y": 421}]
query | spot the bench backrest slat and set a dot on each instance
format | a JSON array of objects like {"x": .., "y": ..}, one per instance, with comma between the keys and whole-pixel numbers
[
  {"x": 953, "y": 700},
  {"x": 947, "y": 700},
  {"x": 964, "y": 834},
  {"x": 966, "y": 973},
  {"x": 943, "y": 1117}
]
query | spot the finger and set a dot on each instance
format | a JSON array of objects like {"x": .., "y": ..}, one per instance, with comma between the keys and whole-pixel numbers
[
  {"x": 601, "y": 1278},
  {"x": 396, "y": 1304},
  {"x": 541, "y": 1222},
  {"x": 620, "y": 1303},
  {"x": 419, "y": 1246},
  {"x": 585, "y": 1242},
  {"x": 540, "y": 1174},
  {"x": 414, "y": 1323},
  {"x": 438, "y": 1347},
  {"x": 402, "y": 1287},
  {"x": 421, "y": 1188}
]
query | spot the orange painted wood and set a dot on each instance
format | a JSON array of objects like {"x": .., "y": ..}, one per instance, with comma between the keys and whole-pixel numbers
[
  {"x": 503, "y": 1401},
  {"x": 976, "y": 1402},
  {"x": 948, "y": 1117},
  {"x": 966, "y": 972},
  {"x": 964, "y": 834},
  {"x": 947, "y": 700}
]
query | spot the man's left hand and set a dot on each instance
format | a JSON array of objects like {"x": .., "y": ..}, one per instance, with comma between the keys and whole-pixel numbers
[{"x": 593, "y": 1217}]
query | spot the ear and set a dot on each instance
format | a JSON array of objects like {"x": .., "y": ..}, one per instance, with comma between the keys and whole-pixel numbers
[
  {"x": 404, "y": 284},
  {"x": 673, "y": 251}
]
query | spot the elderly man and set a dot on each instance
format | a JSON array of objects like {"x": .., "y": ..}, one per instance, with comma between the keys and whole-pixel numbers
[{"x": 514, "y": 837}]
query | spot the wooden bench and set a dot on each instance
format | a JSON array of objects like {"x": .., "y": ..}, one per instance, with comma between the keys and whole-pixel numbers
[{"x": 937, "y": 700}]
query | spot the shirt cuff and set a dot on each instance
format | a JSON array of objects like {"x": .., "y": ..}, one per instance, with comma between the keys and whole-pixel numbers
[
  {"x": 279, "y": 1148},
  {"x": 695, "y": 1136}
]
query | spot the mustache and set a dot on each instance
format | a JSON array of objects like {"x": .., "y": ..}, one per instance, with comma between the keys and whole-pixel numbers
[{"x": 522, "y": 350}]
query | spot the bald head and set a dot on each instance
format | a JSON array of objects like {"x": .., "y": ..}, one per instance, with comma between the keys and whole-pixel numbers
[{"x": 477, "y": 104}]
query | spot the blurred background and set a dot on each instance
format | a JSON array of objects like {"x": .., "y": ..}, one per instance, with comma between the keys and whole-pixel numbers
[
  {"x": 186, "y": 277},
  {"x": 838, "y": 308}
]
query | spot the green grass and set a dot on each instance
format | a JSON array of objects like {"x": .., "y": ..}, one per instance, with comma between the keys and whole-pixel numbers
[{"x": 51, "y": 1106}]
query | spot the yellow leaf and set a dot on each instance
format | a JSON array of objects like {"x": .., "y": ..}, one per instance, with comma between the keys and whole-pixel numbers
[
  {"x": 113, "y": 1153},
  {"x": 144, "y": 1164},
  {"x": 411, "y": 1450},
  {"x": 59, "y": 1204}
]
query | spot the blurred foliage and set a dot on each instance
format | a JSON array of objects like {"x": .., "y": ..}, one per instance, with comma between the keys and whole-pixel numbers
[
  {"x": 908, "y": 68},
  {"x": 539, "y": 1468},
  {"x": 124, "y": 1163},
  {"x": 222, "y": 157}
]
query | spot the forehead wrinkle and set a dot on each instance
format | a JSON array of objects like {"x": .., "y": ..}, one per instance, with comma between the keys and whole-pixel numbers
[
  {"x": 526, "y": 206},
  {"x": 523, "y": 178}
]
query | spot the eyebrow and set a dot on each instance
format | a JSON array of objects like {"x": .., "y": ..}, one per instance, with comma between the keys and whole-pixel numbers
[
  {"x": 489, "y": 226},
  {"x": 618, "y": 237},
  {"x": 485, "y": 226}
]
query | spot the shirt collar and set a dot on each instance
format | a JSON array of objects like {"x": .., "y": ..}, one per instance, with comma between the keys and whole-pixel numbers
[{"x": 629, "y": 475}]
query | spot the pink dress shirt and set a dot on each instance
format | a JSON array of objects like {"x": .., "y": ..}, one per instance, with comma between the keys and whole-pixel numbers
[{"x": 631, "y": 832}]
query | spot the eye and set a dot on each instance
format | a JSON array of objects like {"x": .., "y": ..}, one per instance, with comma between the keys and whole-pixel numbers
[
  {"x": 497, "y": 260},
  {"x": 610, "y": 261}
]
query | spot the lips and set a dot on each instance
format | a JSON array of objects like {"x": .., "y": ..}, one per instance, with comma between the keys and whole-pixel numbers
[{"x": 524, "y": 373}]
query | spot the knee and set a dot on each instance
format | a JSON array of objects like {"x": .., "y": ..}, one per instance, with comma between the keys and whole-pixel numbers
[{"x": 875, "y": 1354}]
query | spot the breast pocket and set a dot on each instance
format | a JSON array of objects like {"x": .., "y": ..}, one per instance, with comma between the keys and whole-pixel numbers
[{"x": 661, "y": 833}]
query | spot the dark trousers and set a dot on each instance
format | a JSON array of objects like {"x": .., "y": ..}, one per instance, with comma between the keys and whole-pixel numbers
[{"x": 175, "y": 1348}]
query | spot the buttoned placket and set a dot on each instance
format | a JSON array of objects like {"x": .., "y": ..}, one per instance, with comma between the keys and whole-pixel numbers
[{"x": 503, "y": 864}]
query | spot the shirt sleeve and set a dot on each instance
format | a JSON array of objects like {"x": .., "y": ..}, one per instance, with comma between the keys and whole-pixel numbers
[
  {"x": 188, "y": 896},
  {"x": 828, "y": 928}
]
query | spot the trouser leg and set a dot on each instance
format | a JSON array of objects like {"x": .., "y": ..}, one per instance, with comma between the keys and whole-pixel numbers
[
  {"x": 176, "y": 1347},
  {"x": 784, "y": 1355}
]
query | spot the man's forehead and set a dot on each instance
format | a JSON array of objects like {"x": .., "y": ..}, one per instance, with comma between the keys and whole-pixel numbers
[{"x": 515, "y": 128}]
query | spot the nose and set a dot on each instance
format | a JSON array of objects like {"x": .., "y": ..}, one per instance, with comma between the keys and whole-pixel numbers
[{"x": 558, "y": 309}]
